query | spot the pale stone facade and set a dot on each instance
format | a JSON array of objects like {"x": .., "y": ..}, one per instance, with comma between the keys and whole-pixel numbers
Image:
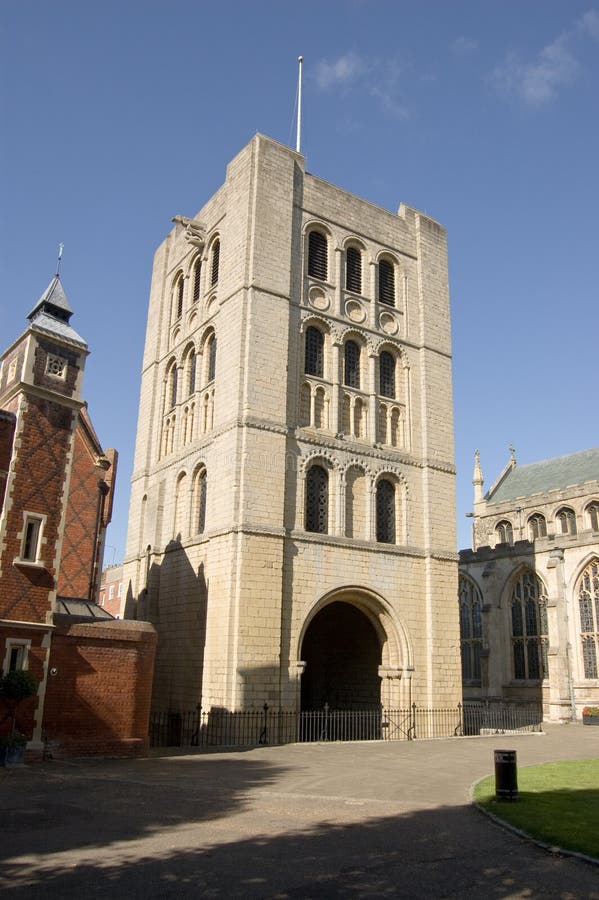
[
  {"x": 229, "y": 554},
  {"x": 529, "y": 588}
]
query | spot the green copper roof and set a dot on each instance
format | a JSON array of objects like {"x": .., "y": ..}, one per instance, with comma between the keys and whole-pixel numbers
[{"x": 548, "y": 475}]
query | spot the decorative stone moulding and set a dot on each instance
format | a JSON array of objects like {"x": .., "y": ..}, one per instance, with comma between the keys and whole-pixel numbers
[
  {"x": 355, "y": 311},
  {"x": 388, "y": 323},
  {"x": 210, "y": 305},
  {"x": 318, "y": 299}
]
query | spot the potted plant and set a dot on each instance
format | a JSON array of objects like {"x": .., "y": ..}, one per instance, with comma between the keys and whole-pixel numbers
[
  {"x": 15, "y": 687},
  {"x": 590, "y": 715}
]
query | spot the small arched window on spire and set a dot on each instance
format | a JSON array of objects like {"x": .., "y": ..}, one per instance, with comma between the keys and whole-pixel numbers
[
  {"x": 386, "y": 282},
  {"x": 214, "y": 271},
  {"x": 197, "y": 274},
  {"x": 353, "y": 270},
  {"x": 317, "y": 255}
]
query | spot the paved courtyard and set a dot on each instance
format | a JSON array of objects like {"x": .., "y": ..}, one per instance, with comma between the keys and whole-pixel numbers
[{"x": 318, "y": 820}]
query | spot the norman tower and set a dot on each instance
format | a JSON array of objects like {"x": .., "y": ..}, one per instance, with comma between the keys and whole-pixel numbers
[{"x": 292, "y": 518}]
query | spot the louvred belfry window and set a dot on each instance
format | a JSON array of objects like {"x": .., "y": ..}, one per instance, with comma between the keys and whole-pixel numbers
[
  {"x": 317, "y": 500},
  {"x": 387, "y": 374},
  {"x": 353, "y": 270},
  {"x": 197, "y": 272},
  {"x": 386, "y": 283},
  {"x": 215, "y": 262},
  {"x": 317, "y": 255},
  {"x": 351, "y": 375},
  {"x": 314, "y": 359}
]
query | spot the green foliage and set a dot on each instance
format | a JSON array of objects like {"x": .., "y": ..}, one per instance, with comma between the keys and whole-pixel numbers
[
  {"x": 18, "y": 685},
  {"x": 591, "y": 711},
  {"x": 558, "y": 804}
]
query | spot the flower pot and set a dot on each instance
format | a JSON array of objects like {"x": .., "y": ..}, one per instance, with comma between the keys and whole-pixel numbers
[{"x": 590, "y": 720}]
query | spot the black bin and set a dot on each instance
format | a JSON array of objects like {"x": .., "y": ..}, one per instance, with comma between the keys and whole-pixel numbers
[{"x": 506, "y": 775}]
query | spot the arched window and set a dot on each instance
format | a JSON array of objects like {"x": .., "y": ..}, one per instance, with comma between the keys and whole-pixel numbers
[
  {"x": 385, "y": 511},
  {"x": 199, "y": 501},
  {"x": 209, "y": 358},
  {"x": 593, "y": 514},
  {"x": 314, "y": 356},
  {"x": 191, "y": 372},
  {"x": 215, "y": 261},
  {"x": 197, "y": 274},
  {"x": 355, "y": 503},
  {"x": 588, "y": 605},
  {"x": 387, "y": 374},
  {"x": 504, "y": 533},
  {"x": 179, "y": 517},
  {"x": 317, "y": 255},
  {"x": 566, "y": 520},
  {"x": 178, "y": 297},
  {"x": 529, "y": 627},
  {"x": 317, "y": 500},
  {"x": 351, "y": 373},
  {"x": 353, "y": 270},
  {"x": 386, "y": 282},
  {"x": 537, "y": 526},
  {"x": 471, "y": 629},
  {"x": 172, "y": 386}
]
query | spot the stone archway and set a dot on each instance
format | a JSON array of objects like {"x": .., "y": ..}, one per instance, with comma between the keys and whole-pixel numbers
[{"x": 342, "y": 653}]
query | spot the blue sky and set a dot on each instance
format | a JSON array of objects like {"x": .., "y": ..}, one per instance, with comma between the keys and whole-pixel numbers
[{"x": 117, "y": 116}]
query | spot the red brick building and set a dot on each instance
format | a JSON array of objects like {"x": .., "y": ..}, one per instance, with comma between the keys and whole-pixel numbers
[
  {"x": 56, "y": 490},
  {"x": 111, "y": 595}
]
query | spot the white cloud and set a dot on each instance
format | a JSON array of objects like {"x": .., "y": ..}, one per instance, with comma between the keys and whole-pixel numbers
[
  {"x": 555, "y": 66},
  {"x": 373, "y": 77},
  {"x": 341, "y": 71},
  {"x": 463, "y": 45}
]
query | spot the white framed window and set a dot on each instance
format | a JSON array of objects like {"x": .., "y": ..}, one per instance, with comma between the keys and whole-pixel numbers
[
  {"x": 56, "y": 366},
  {"x": 31, "y": 538},
  {"x": 111, "y": 592},
  {"x": 119, "y": 592},
  {"x": 16, "y": 655}
]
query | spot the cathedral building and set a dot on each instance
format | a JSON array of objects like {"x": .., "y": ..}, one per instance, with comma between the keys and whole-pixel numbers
[
  {"x": 292, "y": 518},
  {"x": 529, "y": 588}
]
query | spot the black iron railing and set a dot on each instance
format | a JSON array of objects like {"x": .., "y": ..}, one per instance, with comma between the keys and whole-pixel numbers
[{"x": 248, "y": 728}]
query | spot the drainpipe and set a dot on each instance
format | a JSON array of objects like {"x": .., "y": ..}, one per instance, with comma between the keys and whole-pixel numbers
[{"x": 103, "y": 491}]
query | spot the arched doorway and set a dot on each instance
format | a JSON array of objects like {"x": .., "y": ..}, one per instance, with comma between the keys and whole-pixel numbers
[{"x": 342, "y": 653}]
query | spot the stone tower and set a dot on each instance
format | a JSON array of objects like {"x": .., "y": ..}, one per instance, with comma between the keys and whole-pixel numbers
[{"x": 292, "y": 519}]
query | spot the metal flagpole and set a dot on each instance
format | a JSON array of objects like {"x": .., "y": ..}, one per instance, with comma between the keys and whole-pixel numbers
[{"x": 300, "y": 60}]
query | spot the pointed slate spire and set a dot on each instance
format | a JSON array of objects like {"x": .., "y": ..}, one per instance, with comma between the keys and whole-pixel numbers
[
  {"x": 53, "y": 301},
  {"x": 52, "y": 313},
  {"x": 477, "y": 478}
]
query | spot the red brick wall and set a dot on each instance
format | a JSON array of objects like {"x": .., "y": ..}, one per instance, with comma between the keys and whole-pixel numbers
[
  {"x": 98, "y": 700},
  {"x": 76, "y": 567},
  {"x": 37, "y": 485},
  {"x": 7, "y": 431}
]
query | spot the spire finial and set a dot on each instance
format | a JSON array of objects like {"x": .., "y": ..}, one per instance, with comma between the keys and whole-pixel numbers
[
  {"x": 60, "y": 249},
  {"x": 477, "y": 478},
  {"x": 512, "y": 450}
]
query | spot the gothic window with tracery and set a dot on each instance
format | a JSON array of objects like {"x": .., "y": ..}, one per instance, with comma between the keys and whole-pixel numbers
[
  {"x": 593, "y": 514},
  {"x": 385, "y": 511},
  {"x": 317, "y": 500},
  {"x": 317, "y": 255},
  {"x": 566, "y": 520},
  {"x": 504, "y": 533},
  {"x": 351, "y": 375},
  {"x": 314, "y": 355},
  {"x": 529, "y": 627},
  {"x": 537, "y": 526},
  {"x": 471, "y": 629},
  {"x": 353, "y": 270},
  {"x": 387, "y": 374},
  {"x": 588, "y": 605},
  {"x": 386, "y": 282}
]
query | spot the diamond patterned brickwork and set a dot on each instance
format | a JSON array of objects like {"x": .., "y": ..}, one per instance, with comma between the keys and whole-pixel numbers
[
  {"x": 78, "y": 542},
  {"x": 36, "y": 484}
]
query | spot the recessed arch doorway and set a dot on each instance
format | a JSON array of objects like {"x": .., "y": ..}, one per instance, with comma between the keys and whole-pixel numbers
[{"x": 342, "y": 650}]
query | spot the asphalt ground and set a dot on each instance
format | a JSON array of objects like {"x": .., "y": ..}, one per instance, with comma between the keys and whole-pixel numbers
[{"x": 301, "y": 821}]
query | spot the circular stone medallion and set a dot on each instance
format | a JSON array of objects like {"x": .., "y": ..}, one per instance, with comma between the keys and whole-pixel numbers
[
  {"x": 355, "y": 311},
  {"x": 318, "y": 299},
  {"x": 389, "y": 323}
]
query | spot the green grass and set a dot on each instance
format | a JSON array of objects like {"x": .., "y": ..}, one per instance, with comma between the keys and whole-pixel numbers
[{"x": 557, "y": 803}]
